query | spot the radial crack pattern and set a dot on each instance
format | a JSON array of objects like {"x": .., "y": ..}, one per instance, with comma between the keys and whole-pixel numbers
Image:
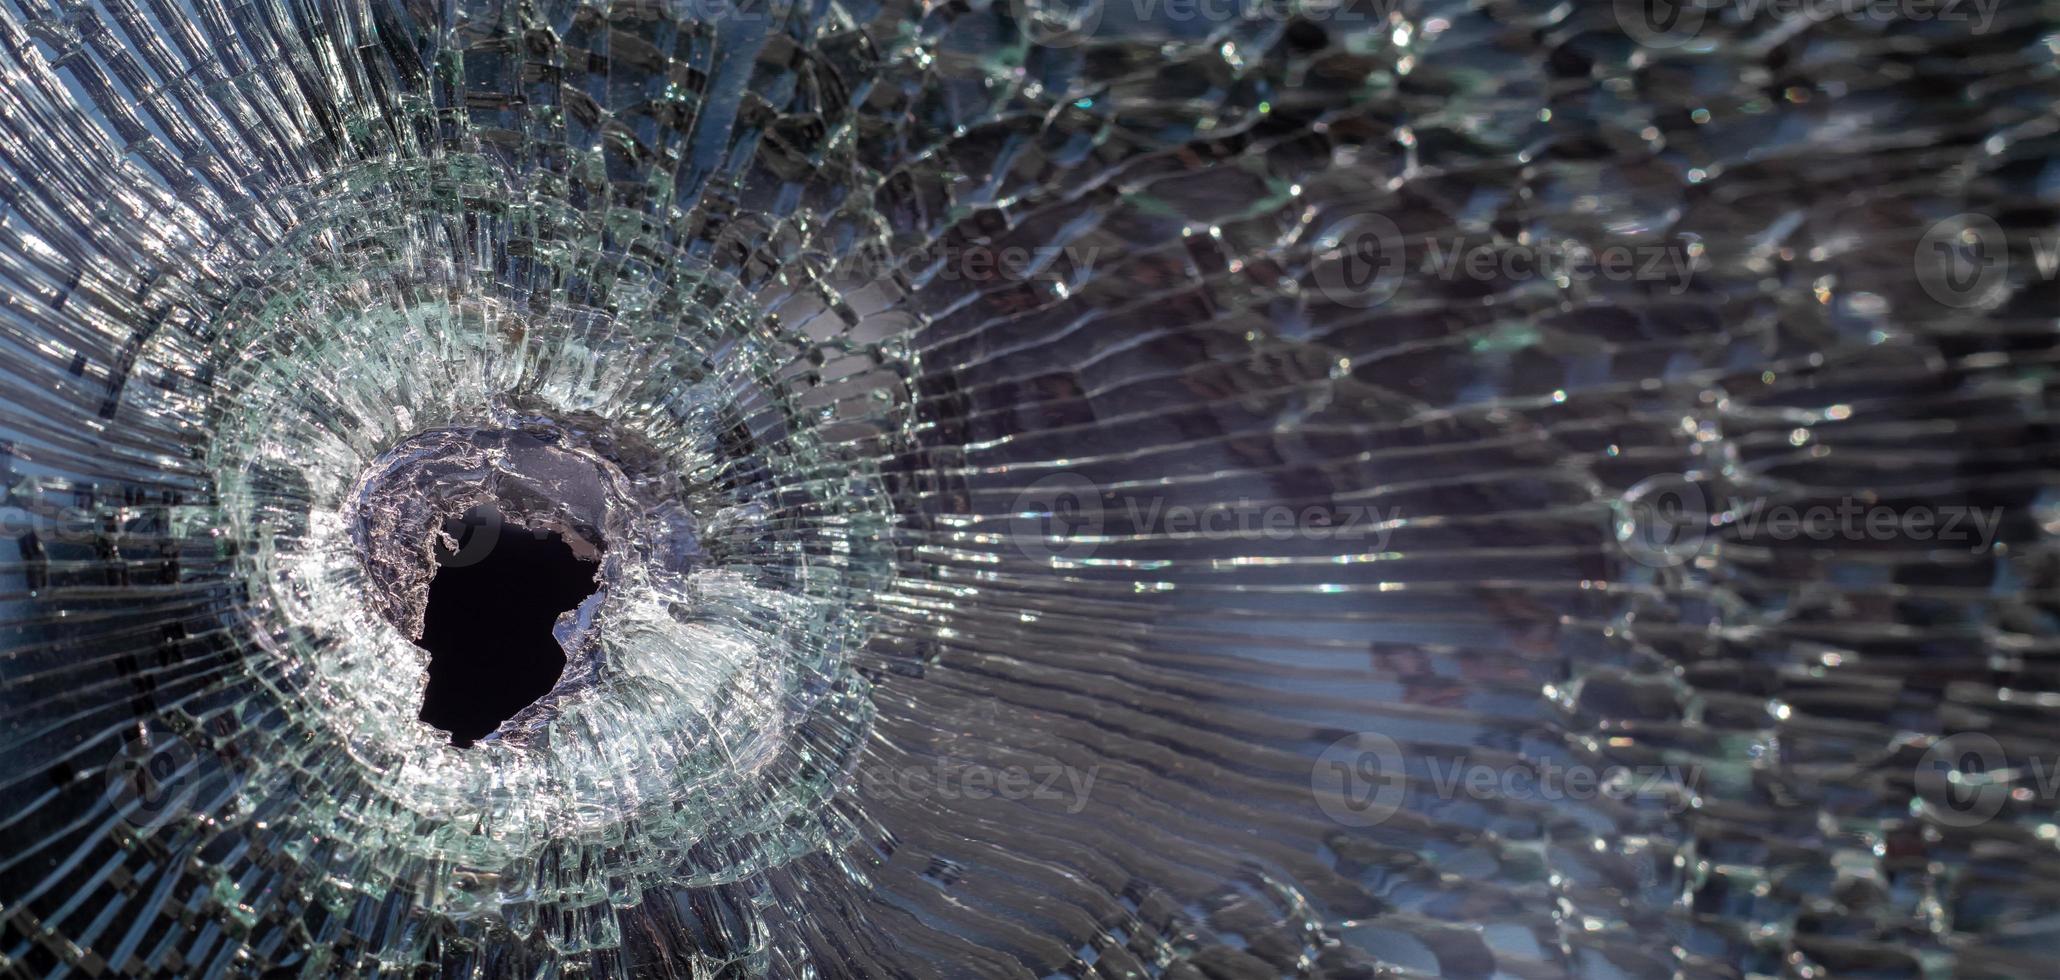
[{"x": 1440, "y": 487}]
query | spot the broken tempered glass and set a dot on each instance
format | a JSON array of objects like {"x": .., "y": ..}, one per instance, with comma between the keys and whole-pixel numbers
[{"x": 1083, "y": 489}]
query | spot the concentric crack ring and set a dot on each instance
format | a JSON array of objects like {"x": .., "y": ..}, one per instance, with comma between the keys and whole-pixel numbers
[{"x": 715, "y": 708}]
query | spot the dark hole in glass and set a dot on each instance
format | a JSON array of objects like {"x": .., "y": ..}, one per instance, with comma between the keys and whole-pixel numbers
[{"x": 488, "y": 624}]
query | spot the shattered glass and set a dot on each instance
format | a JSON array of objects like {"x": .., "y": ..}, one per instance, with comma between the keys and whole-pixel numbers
[{"x": 925, "y": 381}]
